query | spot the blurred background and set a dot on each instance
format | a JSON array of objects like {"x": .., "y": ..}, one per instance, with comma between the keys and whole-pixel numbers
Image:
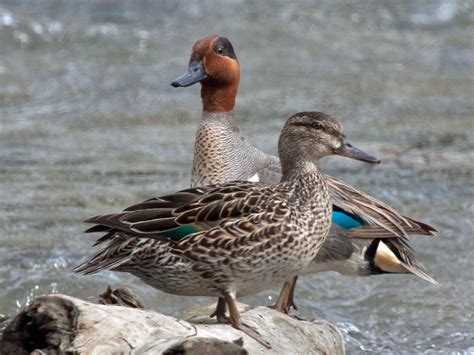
[{"x": 89, "y": 124}]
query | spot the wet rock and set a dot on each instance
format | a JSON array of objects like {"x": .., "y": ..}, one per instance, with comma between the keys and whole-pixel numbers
[{"x": 64, "y": 324}]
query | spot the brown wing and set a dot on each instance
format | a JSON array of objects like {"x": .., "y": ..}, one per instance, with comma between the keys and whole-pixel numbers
[
  {"x": 374, "y": 212},
  {"x": 200, "y": 207}
]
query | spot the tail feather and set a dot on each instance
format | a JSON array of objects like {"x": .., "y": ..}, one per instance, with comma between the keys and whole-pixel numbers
[
  {"x": 118, "y": 252},
  {"x": 417, "y": 271},
  {"x": 91, "y": 267},
  {"x": 396, "y": 256},
  {"x": 106, "y": 237}
]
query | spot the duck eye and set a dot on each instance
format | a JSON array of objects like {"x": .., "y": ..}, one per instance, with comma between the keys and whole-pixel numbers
[{"x": 316, "y": 125}]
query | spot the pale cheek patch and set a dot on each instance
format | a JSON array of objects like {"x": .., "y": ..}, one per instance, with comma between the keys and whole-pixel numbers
[{"x": 336, "y": 143}]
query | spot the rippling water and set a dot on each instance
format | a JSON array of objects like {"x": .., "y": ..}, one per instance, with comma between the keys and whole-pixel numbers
[{"x": 89, "y": 124}]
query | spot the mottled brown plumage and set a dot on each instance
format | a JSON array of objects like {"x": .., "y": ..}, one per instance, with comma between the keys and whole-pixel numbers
[{"x": 251, "y": 236}]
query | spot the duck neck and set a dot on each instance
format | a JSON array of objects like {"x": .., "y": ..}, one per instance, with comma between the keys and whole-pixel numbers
[
  {"x": 218, "y": 97},
  {"x": 304, "y": 177},
  {"x": 224, "y": 120}
]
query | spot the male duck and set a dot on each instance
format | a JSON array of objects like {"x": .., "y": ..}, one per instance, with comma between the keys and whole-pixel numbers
[
  {"x": 251, "y": 236},
  {"x": 221, "y": 154}
]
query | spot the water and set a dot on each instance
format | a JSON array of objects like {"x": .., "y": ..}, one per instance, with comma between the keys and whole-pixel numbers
[{"x": 89, "y": 124}]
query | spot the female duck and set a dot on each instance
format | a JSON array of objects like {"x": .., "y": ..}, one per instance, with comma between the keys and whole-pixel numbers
[{"x": 251, "y": 236}]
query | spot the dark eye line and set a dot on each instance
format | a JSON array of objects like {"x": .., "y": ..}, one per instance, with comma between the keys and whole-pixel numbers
[{"x": 309, "y": 125}]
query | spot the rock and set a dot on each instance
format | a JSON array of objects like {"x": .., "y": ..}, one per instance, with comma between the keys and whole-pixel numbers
[
  {"x": 58, "y": 324},
  {"x": 120, "y": 297}
]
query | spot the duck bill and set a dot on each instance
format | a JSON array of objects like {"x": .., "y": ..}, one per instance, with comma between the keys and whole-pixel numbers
[
  {"x": 348, "y": 150},
  {"x": 193, "y": 75}
]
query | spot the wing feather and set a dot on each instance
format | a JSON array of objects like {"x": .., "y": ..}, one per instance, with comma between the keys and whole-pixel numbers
[
  {"x": 199, "y": 207},
  {"x": 374, "y": 212}
]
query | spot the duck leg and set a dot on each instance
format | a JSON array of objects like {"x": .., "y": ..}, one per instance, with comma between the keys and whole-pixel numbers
[
  {"x": 285, "y": 299},
  {"x": 236, "y": 322},
  {"x": 219, "y": 313}
]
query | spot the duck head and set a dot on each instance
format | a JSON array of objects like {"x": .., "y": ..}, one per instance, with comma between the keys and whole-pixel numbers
[
  {"x": 311, "y": 136},
  {"x": 214, "y": 64}
]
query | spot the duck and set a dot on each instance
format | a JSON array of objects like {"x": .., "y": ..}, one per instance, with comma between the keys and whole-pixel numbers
[
  {"x": 365, "y": 230},
  {"x": 250, "y": 236}
]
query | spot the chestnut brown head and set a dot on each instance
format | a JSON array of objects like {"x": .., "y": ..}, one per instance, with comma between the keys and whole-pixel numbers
[
  {"x": 212, "y": 60},
  {"x": 214, "y": 64}
]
